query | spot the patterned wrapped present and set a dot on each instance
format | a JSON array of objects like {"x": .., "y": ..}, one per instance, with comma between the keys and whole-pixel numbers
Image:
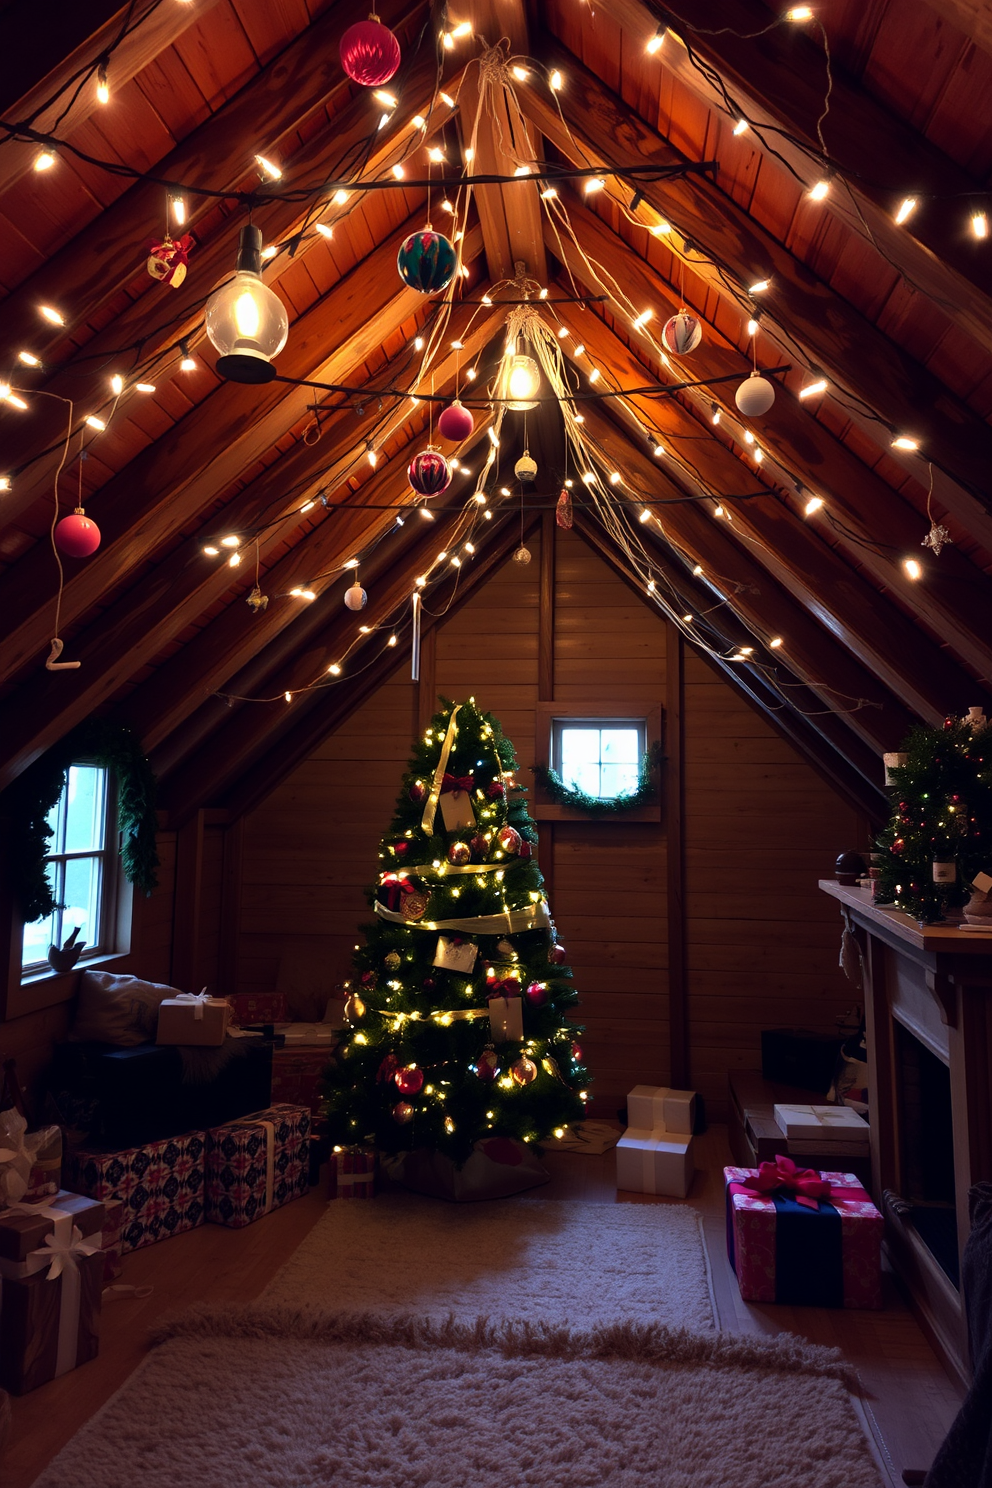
[
  {"x": 112, "y": 1238},
  {"x": 798, "y": 1236},
  {"x": 352, "y": 1173},
  {"x": 297, "y": 1075},
  {"x": 51, "y": 1284},
  {"x": 256, "y": 1164},
  {"x": 159, "y": 1183},
  {"x": 251, "y": 1008}
]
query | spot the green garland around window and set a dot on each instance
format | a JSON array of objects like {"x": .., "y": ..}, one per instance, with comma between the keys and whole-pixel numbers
[
  {"x": 32, "y": 797},
  {"x": 563, "y": 795}
]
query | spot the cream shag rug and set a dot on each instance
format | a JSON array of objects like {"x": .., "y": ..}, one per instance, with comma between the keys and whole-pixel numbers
[
  {"x": 263, "y": 1397},
  {"x": 547, "y": 1259}
]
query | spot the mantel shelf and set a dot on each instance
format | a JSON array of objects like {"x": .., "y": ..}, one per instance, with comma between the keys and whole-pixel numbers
[{"x": 946, "y": 939}]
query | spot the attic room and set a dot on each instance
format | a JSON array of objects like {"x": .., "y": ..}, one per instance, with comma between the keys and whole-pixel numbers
[{"x": 496, "y": 874}]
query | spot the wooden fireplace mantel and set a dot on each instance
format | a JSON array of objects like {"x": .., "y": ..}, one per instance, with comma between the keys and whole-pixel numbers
[{"x": 935, "y": 981}]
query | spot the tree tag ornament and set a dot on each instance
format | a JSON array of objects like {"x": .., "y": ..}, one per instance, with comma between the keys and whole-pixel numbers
[
  {"x": 167, "y": 259},
  {"x": 455, "y": 954},
  {"x": 456, "y": 803},
  {"x": 506, "y": 1019}
]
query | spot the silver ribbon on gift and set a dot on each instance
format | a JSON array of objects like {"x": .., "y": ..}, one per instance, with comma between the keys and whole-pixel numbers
[{"x": 199, "y": 1000}]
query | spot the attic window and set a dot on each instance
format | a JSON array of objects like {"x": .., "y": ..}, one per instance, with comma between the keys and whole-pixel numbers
[
  {"x": 80, "y": 868},
  {"x": 601, "y": 757}
]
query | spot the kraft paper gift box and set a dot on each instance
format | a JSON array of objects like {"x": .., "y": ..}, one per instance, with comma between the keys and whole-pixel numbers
[
  {"x": 193, "y": 1018},
  {"x": 297, "y": 1076},
  {"x": 788, "y": 1246},
  {"x": 352, "y": 1173},
  {"x": 51, "y": 1285},
  {"x": 506, "y": 1018},
  {"x": 655, "y": 1162},
  {"x": 257, "y": 1164},
  {"x": 160, "y": 1185},
  {"x": 655, "y": 1107},
  {"x": 259, "y": 1007},
  {"x": 112, "y": 1238},
  {"x": 832, "y": 1126}
]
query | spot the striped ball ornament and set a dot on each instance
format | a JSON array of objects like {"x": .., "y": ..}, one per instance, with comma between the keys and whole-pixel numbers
[{"x": 682, "y": 333}]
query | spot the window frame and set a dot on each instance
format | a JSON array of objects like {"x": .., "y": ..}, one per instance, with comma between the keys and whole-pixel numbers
[
  {"x": 637, "y": 708},
  {"x": 559, "y": 725}
]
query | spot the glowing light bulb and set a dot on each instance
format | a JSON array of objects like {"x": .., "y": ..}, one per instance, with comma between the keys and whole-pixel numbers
[
  {"x": 92, "y": 420},
  {"x": 44, "y": 160},
  {"x": 659, "y": 449},
  {"x": 210, "y": 551},
  {"x": 447, "y": 98},
  {"x": 594, "y": 184},
  {"x": 234, "y": 561},
  {"x": 334, "y": 669},
  {"x": 339, "y": 198},
  {"x": 269, "y": 167},
  {"x": 820, "y": 191},
  {"x": 980, "y": 224},
  {"x": 52, "y": 315},
  {"x": 230, "y": 541},
  {"x": 643, "y": 319},
  {"x": 645, "y": 515},
  {"x": 813, "y": 505},
  {"x": 741, "y": 127},
  {"x": 760, "y": 286},
  {"x": 799, "y": 13},
  {"x": 28, "y": 360},
  {"x": 188, "y": 364},
  {"x": 117, "y": 384},
  {"x": 246, "y": 315},
  {"x": 102, "y": 85},
  {"x": 520, "y": 73},
  {"x": 698, "y": 570},
  {"x": 811, "y": 390},
  {"x": 661, "y": 229},
  {"x": 555, "y": 81},
  {"x": 656, "y": 42},
  {"x": 752, "y": 327},
  {"x": 906, "y": 209},
  {"x": 913, "y": 569},
  {"x": 904, "y": 442},
  {"x": 715, "y": 414},
  {"x": 178, "y": 205},
  {"x": 775, "y": 642},
  {"x": 145, "y": 387},
  {"x": 388, "y": 100}
]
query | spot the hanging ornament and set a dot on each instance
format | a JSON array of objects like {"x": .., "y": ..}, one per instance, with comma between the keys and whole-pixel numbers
[
  {"x": 167, "y": 259},
  {"x": 509, "y": 840},
  {"x": 355, "y": 597},
  {"x": 524, "y": 1071},
  {"x": 456, "y": 422},
  {"x": 459, "y": 853},
  {"x": 526, "y": 849},
  {"x": 563, "y": 511},
  {"x": 244, "y": 319},
  {"x": 682, "y": 333},
  {"x": 577, "y": 1053},
  {"x": 429, "y": 472},
  {"x": 401, "y": 848},
  {"x": 418, "y": 793},
  {"x": 76, "y": 535},
  {"x": 403, "y": 1112},
  {"x": 479, "y": 848},
  {"x": 370, "y": 53},
  {"x": 536, "y": 994},
  {"x": 522, "y": 556},
  {"x": 393, "y": 961},
  {"x": 427, "y": 261},
  {"x": 526, "y": 468},
  {"x": 556, "y": 954},
  {"x": 755, "y": 396},
  {"x": 496, "y": 790},
  {"x": 487, "y": 1064},
  {"x": 256, "y": 600},
  {"x": 409, "y": 1081},
  {"x": 506, "y": 948},
  {"x": 938, "y": 537},
  {"x": 413, "y": 906},
  {"x": 387, "y": 1069},
  {"x": 354, "y": 1008}
]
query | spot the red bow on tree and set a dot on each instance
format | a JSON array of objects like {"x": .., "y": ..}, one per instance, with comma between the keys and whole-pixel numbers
[
  {"x": 388, "y": 1068},
  {"x": 805, "y": 1184},
  {"x": 496, "y": 790},
  {"x": 510, "y": 987},
  {"x": 168, "y": 259},
  {"x": 456, "y": 783}
]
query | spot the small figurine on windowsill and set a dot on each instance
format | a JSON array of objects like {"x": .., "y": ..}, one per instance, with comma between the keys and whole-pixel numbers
[{"x": 64, "y": 957}]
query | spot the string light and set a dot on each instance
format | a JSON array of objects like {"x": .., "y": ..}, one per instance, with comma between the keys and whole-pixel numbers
[
  {"x": 269, "y": 167},
  {"x": 813, "y": 505},
  {"x": 334, "y": 669},
  {"x": 799, "y": 13},
  {"x": 645, "y": 515},
  {"x": 820, "y": 191},
  {"x": 906, "y": 209},
  {"x": 324, "y": 228},
  {"x": 145, "y": 387},
  {"x": 234, "y": 561},
  {"x": 980, "y": 224},
  {"x": 520, "y": 73},
  {"x": 388, "y": 100},
  {"x": 117, "y": 384},
  {"x": 643, "y": 319},
  {"x": 102, "y": 84},
  {"x": 188, "y": 363},
  {"x": 44, "y": 160},
  {"x": 28, "y": 359},
  {"x": 698, "y": 570},
  {"x": 759, "y": 287},
  {"x": 752, "y": 326},
  {"x": 775, "y": 642},
  {"x": 810, "y": 391},
  {"x": 914, "y": 570},
  {"x": 656, "y": 42},
  {"x": 741, "y": 127},
  {"x": 904, "y": 442},
  {"x": 52, "y": 315},
  {"x": 687, "y": 619},
  {"x": 303, "y": 593},
  {"x": 178, "y": 205},
  {"x": 661, "y": 229},
  {"x": 555, "y": 81},
  {"x": 595, "y": 183},
  {"x": 392, "y": 640},
  {"x": 399, "y": 172},
  {"x": 210, "y": 551},
  {"x": 230, "y": 541},
  {"x": 659, "y": 449},
  {"x": 340, "y": 197},
  {"x": 92, "y": 420},
  {"x": 715, "y": 414},
  {"x": 447, "y": 98}
]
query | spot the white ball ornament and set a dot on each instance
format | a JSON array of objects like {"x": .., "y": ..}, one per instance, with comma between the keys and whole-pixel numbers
[
  {"x": 682, "y": 333},
  {"x": 526, "y": 468},
  {"x": 755, "y": 396},
  {"x": 355, "y": 597}
]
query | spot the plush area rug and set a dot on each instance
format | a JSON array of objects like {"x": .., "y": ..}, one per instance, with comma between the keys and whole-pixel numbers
[
  {"x": 269, "y": 1397},
  {"x": 562, "y": 1262}
]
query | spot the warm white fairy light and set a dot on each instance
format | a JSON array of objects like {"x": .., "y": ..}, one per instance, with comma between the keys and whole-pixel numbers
[
  {"x": 270, "y": 168},
  {"x": 719, "y": 512},
  {"x": 340, "y": 197},
  {"x": 334, "y": 669},
  {"x": 775, "y": 642},
  {"x": 906, "y": 209},
  {"x": 388, "y": 100},
  {"x": 93, "y": 421},
  {"x": 426, "y": 513},
  {"x": 813, "y": 505},
  {"x": 324, "y": 229},
  {"x": 914, "y": 570},
  {"x": 471, "y": 374},
  {"x": 748, "y": 437},
  {"x": 392, "y": 640},
  {"x": 642, "y": 319},
  {"x": 350, "y": 563},
  {"x": 117, "y": 384},
  {"x": 53, "y": 316},
  {"x": 556, "y": 81},
  {"x": 799, "y": 13},
  {"x": 418, "y": 121},
  {"x": 563, "y": 331},
  {"x": 270, "y": 251},
  {"x": 645, "y": 515},
  {"x": 4, "y": 482},
  {"x": 905, "y": 442},
  {"x": 698, "y": 570},
  {"x": 820, "y": 191},
  {"x": 594, "y": 375},
  {"x": 741, "y": 127},
  {"x": 580, "y": 349},
  {"x": 759, "y": 455},
  {"x": 418, "y": 343},
  {"x": 44, "y": 160},
  {"x": 188, "y": 364},
  {"x": 615, "y": 478},
  {"x": 715, "y": 414},
  {"x": 178, "y": 205},
  {"x": 752, "y": 327},
  {"x": 28, "y": 359},
  {"x": 447, "y": 206},
  {"x": 656, "y": 42},
  {"x": 813, "y": 388},
  {"x": 659, "y": 449},
  {"x": 980, "y": 224},
  {"x": 17, "y": 402},
  {"x": 661, "y": 229},
  {"x": 760, "y": 286},
  {"x": 399, "y": 172},
  {"x": 210, "y": 551},
  {"x": 145, "y": 387},
  {"x": 234, "y": 561},
  {"x": 595, "y": 183},
  {"x": 303, "y": 592},
  {"x": 687, "y": 619},
  {"x": 520, "y": 73},
  {"x": 307, "y": 506},
  {"x": 230, "y": 541},
  {"x": 480, "y": 497}
]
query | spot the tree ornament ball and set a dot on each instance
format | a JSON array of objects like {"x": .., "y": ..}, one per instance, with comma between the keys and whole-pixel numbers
[
  {"x": 536, "y": 994},
  {"x": 427, "y": 261},
  {"x": 456, "y": 422},
  {"x": 403, "y": 1112},
  {"x": 459, "y": 853},
  {"x": 577, "y": 1052},
  {"x": 524, "y": 1071},
  {"x": 393, "y": 961},
  {"x": 77, "y": 536},
  {"x": 509, "y": 840},
  {"x": 355, "y": 597},
  {"x": 526, "y": 468},
  {"x": 418, "y": 793},
  {"x": 556, "y": 955},
  {"x": 682, "y": 333},
  {"x": 370, "y": 53},
  {"x": 522, "y": 556},
  {"x": 526, "y": 849},
  {"x": 409, "y": 1081},
  {"x": 506, "y": 948},
  {"x": 354, "y": 1008},
  {"x": 479, "y": 847},
  {"x": 429, "y": 472},
  {"x": 487, "y": 1065},
  {"x": 755, "y": 396}
]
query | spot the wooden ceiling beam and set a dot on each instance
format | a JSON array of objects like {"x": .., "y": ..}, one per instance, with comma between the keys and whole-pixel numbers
[
  {"x": 599, "y": 127},
  {"x": 146, "y": 502},
  {"x": 73, "y": 38},
  {"x": 973, "y": 18},
  {"x": 158, "y": 319},
  {"x": 779, "y": 77},
  {"x": 950, "y": 600},
  {"x": 912, "y": 666},
  {"x": 90, "y": 269}
]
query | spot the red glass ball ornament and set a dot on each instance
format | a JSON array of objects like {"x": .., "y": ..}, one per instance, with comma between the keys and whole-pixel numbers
[
  {"x": 459, "y": 853},
  {"x": 456, "y": 423},
  {"x": 479, "y": 847},
  {"x": 509, "y": 840},
  {"x": 370, "y": 53},
  {"x": 556, "y": 955},
  {"x": 526, "y": 850},
  {"x": 368, "y": 977},
  {"x": 576, "y": 1052},
  {"x": 524, "y": 1071},
  {"x": 428, "y": 472},
  {"x": 403, "y": 1112},
  {"x": 409, "y": 1081},
  {"x": 536, "y": 994},
  {"x": 948, "y": 723},
  {"x": 77, "y": 536},
  {"x": 418, "y": 792},
  {"x": 682, "y": 333},
  {"x": 401, "y": 849},
  {"x": 487, "y": 1065}
]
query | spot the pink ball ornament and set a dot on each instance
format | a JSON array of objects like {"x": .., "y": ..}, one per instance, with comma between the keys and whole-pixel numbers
[
  {"x": 370, "y": 53},
  {"x": 403, "y": 1112},
  {"x": 682, "y": 333},
  {"x": 418, "y": 793},
  {"x": 409, "y": 1081},
  {"x": 509, "y": 840},
  {"x": 429, "y": 473},
  {"x": 77, "y": 536},
  {"x": 456, "y": 423},
  {"x": 536, "y": 994},
  {"x": 556, "y": 955},
  {"x": 459, "y": 853}
]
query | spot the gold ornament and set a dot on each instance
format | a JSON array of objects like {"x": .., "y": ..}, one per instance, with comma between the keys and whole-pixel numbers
[
  {"x": 354, "y": 1008},
  {"x": 938, "y": 537},
  {"x": 524, "y": 1071},
  {"x": 256, "y": 600}
]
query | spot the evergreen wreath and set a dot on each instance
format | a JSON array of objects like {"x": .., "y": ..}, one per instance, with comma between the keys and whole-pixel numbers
[
  {"x": 33, "y": 796},
  {"x": 645, "y": 794}
]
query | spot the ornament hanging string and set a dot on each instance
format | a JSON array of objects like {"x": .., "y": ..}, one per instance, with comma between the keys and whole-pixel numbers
[{"x": 56, "y": 648}]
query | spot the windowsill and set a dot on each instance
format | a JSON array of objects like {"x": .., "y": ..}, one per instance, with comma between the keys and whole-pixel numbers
[
  {"x": 85, "y": 963},
  {"x": 44, "y": 989}
]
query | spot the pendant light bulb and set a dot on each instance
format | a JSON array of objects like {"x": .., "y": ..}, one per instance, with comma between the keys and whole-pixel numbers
[
  {"x": 245, "y": 320},
  {"x": 521, "y": 380}
]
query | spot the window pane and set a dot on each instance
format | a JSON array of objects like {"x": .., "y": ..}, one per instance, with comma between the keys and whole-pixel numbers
[
  {"x": 579, "y": 746},
  {"x": 56, "y": 821},
  {"x": 585, "y": 777},
  {"x": 43, "y": 933},
  {"x": 85, "y": 813},
  {"x": 619, "y": 780},
  {"x": 82, "y": 899},
  {"x": 621, "y": 745}
]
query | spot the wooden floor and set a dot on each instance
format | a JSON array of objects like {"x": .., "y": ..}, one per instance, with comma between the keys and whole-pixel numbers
[{"x": 909, "y": 1400}]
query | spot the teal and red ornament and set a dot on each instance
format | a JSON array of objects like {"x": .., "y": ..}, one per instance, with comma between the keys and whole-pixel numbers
[{"x": 427, "y": 261}]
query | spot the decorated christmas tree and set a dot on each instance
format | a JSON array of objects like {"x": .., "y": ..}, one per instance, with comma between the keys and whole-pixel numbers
[
  {"x": 940, "y": 833},
  {"x": 456, "y": 1026}
]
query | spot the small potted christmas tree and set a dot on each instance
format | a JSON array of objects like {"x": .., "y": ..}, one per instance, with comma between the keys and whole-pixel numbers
[{"x": 458, "y": 1055}]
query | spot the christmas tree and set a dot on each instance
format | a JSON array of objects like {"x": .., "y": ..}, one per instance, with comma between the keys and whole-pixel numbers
[
  {"x": 456, "y": 1017},
  {"x": 940, "y": 832}
]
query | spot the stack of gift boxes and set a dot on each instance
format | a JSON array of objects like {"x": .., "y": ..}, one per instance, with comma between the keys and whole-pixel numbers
[{"x": 654, "y": 1155}]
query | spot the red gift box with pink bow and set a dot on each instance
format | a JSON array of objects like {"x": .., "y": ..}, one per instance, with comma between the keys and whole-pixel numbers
[{"x": 798, "y": 1236}]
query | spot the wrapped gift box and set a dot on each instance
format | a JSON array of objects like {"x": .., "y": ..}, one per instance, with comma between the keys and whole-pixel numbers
[
  {"x": 112, "y": 1238},
  {"x": 31, "y": 1162},
  {"x": 656, "y": 1108},
  {"x": 297, "y": 1074},
  {"x": 352, "y": 1173},
  {"x": 786, "y": 1247},
  {"x": 51, "y": 1284},
  {"x": 193, "y": 1018},
  {"x": 159, "y": 1183},
  {"x": 827, "y": 1126},
  {"x": 655, "y": 1162},
  {"x": 259, "y": 1007},
  {"x": 506, "y": 1019},
  {"x": 307, "y": 1035},
  {"x": 257, "y": 1164}
]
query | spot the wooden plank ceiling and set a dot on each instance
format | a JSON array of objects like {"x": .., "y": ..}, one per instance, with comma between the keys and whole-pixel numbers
[{"x": 803, "y": 529}]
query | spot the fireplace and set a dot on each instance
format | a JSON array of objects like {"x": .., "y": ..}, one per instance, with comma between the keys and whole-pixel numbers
[{"x": 926, "y": 1133}]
